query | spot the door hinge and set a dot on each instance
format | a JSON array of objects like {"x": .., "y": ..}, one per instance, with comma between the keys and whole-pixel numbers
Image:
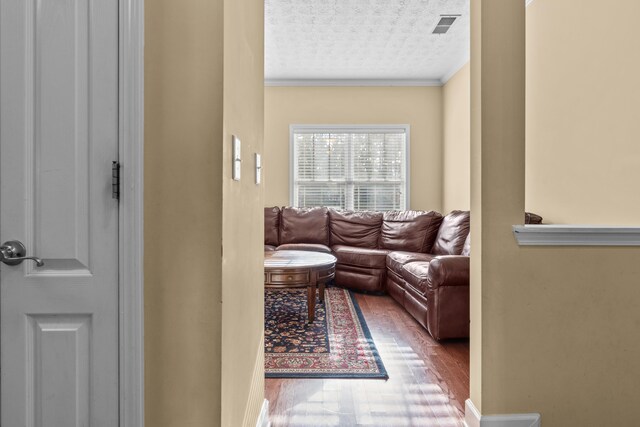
[{"x": 115, "y": 180}]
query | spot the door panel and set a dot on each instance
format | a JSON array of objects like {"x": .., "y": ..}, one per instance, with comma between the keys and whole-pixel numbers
[
  {"x": 60, "y": 149},
  {"x": 58, "y": 351},
  {"x": 58, "y": 137}
]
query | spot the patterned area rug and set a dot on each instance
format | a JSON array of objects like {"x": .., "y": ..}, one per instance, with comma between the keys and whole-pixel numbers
[{"x": 337, "y": 345}]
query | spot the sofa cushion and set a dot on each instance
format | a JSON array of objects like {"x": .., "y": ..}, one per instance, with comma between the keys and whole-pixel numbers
[
  {"x": 466, "y": 248},
  {"x": 361, "y": 229},
  {"x": 413, "y": 231},
  {"x": 315, "y": 247},
  {"x": 360, "y": 257},
  {"x": 452, "y": 234},
  {"x": 415, "y": 274},
  {"x": 271, "y": 225},
  {"x": 396, "y": 260},
  {"x": 531, "y": 218},
  {"x": 304, "y": 225}
]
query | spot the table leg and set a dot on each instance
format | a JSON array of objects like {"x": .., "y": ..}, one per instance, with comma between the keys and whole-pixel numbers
[
  {"x": 311, "y": 301},
  {"x": 321, "y": 286}
]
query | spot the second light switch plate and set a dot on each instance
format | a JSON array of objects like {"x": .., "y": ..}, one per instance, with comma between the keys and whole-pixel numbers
[
  {"x": 258, "y": 168},
  {"x": 236, "y": 158}
]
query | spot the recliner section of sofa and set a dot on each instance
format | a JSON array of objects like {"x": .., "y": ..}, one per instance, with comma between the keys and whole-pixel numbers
[
  {"x": 354, "y": 238},
  {"x": 362, "y": 241},
  {"x": 419, "y": 282}
]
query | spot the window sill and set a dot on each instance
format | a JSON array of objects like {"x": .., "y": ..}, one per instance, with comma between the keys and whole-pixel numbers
[{"x": 576, "y": 235}]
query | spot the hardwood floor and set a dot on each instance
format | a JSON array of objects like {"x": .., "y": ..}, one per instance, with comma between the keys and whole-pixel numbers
[{"x": 427, "y": 386}]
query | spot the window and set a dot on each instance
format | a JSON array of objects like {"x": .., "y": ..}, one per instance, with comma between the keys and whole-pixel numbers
[{"x": 350, "y": 167}]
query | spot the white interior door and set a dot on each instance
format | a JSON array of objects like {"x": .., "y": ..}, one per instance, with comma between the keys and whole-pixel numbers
[{"x": 58, "y": 137}]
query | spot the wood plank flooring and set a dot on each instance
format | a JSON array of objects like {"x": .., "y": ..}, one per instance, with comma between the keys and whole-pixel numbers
[{"x": 427, "y": 386}]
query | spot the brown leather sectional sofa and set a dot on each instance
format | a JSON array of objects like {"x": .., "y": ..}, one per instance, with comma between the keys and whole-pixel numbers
[{"x": 419, "y": 258}]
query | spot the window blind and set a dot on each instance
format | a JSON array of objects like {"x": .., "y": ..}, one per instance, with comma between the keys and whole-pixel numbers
[{"x": 360, "y": 168}]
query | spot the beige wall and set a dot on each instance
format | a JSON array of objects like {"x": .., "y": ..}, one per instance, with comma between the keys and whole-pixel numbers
[
  {"x": 554, "y": 330},
  {"x": 497, "y": 201},
  {"x": 582, "y": 102},
  {"x": 191, "y": 288},
  {"x": 456, "y": 141},
  {"x": 420, "y": 107},
  {"x": 183, "y": 214},
  {"x": 566, "y": 342},
  {"x": 583, "y": 110},
  {"x": 242, "y": 216}
]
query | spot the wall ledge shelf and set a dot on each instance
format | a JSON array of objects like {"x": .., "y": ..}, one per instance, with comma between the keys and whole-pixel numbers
[{"x": 576, "y": 235}]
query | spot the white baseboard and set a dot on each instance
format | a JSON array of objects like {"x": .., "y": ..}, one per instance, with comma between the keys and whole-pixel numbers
[
  {"x": 263, "y": 419},
  {"x": 473, "y": 418}
]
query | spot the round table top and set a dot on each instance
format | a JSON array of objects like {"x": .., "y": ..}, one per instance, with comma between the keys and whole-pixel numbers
[{"x": 297, "y": 259}]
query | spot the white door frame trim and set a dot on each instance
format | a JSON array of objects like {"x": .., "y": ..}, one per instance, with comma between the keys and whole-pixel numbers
[{"x": 131, "y": 251}]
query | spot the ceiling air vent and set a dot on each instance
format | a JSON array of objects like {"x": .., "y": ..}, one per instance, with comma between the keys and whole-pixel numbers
[{"x": 446, "y": 21}]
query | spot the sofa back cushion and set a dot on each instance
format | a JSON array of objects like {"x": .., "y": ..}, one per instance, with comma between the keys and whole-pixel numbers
[
  {"x": 271, "y": 225},
  {"x": 531, "y": 218},
  {"x": 304, "y": 225},
  {"x": 466, "y": 249},
  {"x": 360, "y": 229},
  {"x": 411, "y": 231},
  {"x": 452, "y": 234}
]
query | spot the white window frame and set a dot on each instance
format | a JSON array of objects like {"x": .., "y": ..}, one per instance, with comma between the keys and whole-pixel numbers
[{"x": 347, "y": 128}]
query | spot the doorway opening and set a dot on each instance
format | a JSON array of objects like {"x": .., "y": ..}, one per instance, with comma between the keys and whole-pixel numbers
[{"x": 340, "y": 80}]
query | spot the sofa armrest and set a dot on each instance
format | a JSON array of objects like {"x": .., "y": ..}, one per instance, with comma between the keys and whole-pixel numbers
[{"x": 448, "y": 270}]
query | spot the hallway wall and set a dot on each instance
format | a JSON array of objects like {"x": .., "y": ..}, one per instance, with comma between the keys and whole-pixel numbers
[
  {"x": 203, "y": 231},
  {"x": 183, "y": 212},
  {"x": 554, "y": 329}
]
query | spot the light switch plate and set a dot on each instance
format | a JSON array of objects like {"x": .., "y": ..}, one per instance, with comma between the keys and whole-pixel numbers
[
  {"x": 236, "y": 158},
  {"x": 258, "y": 168}
]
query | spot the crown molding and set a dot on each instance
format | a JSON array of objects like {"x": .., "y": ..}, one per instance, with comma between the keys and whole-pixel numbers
[
  {"x": 576, "y": 235},
  {"x": 352, "y": 82}
]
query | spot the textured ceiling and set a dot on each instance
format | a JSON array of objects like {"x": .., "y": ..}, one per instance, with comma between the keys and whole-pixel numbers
[{"x": 363, "y": 39}]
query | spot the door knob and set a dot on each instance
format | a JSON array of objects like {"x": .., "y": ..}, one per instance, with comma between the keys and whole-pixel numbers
[{"x": 13, "y": 253}]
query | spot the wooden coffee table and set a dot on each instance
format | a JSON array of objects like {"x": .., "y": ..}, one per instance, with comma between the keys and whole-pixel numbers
[{"x": 299, "y": 269}]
